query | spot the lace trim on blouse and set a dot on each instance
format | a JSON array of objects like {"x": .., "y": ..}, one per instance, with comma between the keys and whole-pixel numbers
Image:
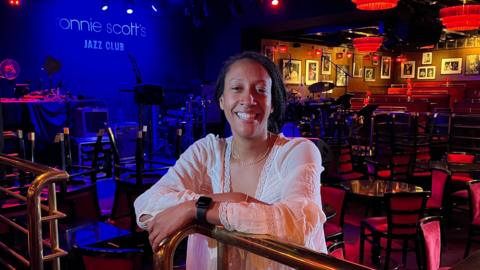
[{"x": 223, "y": 208}]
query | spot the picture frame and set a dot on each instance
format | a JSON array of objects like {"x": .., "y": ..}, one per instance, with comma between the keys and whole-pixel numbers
[
  {"x": 470, "y": 42},
  {"x": 426, "y": 73},
  {"x": 477, "y": 42},
  {"x": 407, "y": 70},
  {"x": 291, "y": 71},
  {"x": 386, "y": 67},
  {"x": 357, "y": 71},
  {"x": 342, "y": 78},
  {"x": 269, "y": 52},
  {"x": 427, "y": 58},
  {"x": 326, "y": 64},
  {"x": 312, "y": 68},
  {"x": 369, "y": 74},
  {"x": 472, "y": 64},
  {"x": 451, "y": 66}
]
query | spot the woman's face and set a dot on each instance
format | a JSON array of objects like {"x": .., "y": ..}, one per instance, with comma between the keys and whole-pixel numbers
[{"x": 247, "y": 98}]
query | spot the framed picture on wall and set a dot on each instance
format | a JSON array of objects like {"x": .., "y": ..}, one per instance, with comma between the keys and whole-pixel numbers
[
  {"x": 426, "y": 73},
  {"x": 472, "y": 64},
  {"x": 369, "y": 74},
  {"x": 342, "y": 77},
  {"x": 269, "y": 51},
  {"x": 326, "y": 64},
  {"x": 427, "y": 58},
  {"x": 451, "y": 66},
  {"x": 385, "y": 67},
  {"x": 407, "y": 70},
  {"x": 312, "y": 68},
  {"x": 357, "y": 70},
  {"x": 470, "y": 42},
  {"x": 291, "y": 71}
]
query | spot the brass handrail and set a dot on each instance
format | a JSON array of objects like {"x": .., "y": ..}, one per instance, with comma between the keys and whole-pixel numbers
[
  {"x": 288, "y": 254},
  {"x": 45, "y": 177}
]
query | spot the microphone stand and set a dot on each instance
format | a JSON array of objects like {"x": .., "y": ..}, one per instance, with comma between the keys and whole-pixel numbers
[
  {"x": 341, "y": 118},
  {"x": 337, "y": 67}
]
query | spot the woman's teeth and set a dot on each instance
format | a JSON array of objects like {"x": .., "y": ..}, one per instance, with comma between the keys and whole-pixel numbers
[{"x": 245, "y": 116}]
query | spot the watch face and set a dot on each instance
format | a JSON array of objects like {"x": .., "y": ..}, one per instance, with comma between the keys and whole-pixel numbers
[{"x": 204, "y": 202}]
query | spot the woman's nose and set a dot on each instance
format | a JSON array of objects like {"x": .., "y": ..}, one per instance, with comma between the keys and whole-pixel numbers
[{"x": 248, "y": 98}]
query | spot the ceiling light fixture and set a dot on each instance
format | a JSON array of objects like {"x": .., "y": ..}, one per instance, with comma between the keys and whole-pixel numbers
[
  {"x": 461, "y": 18},
  {"x": 375, "y": 4},
  {"x": 367, "y": 44}
]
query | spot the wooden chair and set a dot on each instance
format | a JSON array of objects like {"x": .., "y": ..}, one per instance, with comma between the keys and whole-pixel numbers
[
  {"x": 474, "y": 228},
  {"x": 335, "y": 197},
  {"x": 404, "y": 210},
  {"x": 429, "y": 250}
]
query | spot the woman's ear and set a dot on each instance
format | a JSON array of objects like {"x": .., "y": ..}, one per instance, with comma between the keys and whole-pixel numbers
[{"x": 220, "y": 102}]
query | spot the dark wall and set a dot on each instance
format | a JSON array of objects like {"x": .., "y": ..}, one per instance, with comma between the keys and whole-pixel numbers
[{"x": 71, "y": 32}]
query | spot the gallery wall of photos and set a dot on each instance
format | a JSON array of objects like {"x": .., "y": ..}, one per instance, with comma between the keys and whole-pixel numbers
[{"x": 452, "y": 60}]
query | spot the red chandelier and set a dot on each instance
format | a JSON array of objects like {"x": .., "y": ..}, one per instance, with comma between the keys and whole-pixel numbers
[
  {"x": 461, "y": 18},
  {"x": 367, "y": 44},
  {"x": 375, "y": 4}
]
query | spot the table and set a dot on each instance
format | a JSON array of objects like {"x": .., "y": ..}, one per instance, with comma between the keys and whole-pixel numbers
[
  {"x": 378, "y": 188},
  {"x": 455, "y": 167}
]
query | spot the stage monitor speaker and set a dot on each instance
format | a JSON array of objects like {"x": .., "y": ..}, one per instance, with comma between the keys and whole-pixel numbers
[
  {"x": 88, "y": 120},
  {"x": 126, "y": 137}
]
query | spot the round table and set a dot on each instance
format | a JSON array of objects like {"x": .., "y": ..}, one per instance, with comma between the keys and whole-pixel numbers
[{"x": 378, "y": 188}]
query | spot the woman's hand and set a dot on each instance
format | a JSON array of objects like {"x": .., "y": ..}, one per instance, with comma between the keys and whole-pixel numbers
[{"x": 169, "y": 221}]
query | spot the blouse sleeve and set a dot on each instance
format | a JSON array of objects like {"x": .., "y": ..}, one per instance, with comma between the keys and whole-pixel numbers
[
  {"x": 299, "y": 212},
  {"x": 179, "y": 184}
]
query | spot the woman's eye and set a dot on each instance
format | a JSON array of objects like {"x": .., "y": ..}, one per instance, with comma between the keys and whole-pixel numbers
[
  {"x": 262, "y": 90},
  {"x": 235, "y": 88}
]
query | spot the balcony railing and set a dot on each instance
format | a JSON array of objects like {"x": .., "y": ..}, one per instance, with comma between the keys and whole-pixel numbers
[
  {"x": 288, "y": 254},
  {"x": 46, "y": 177}
]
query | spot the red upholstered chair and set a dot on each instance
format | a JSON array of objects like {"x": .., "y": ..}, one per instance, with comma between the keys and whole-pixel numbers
[
  {"x": 100, "y": 258},
  {"x": 440, "y": 180},
  {"x": 461, "y": 157},
  {"x": 404, "y": 210},
  {"x": 430, "y": 243},
  {"x": 342, "y": 166},
  {"x": 335, "y": 197},
  {"x": 337, "y": 250},
  {"x": 474, "y": 230}
]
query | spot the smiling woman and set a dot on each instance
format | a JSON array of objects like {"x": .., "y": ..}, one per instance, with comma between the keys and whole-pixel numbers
[{"x": 256, "y": 181}]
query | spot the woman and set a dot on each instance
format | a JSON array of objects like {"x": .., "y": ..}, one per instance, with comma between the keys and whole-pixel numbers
[{"x": 256, "y": 181}]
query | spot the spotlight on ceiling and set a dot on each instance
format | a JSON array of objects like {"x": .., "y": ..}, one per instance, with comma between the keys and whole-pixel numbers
[
  {"x": 104, "y": 5},
  {"x": 14, "y": 3},
  {"x": 129, "y": 6},
  {"x": 275, "y": 3}
]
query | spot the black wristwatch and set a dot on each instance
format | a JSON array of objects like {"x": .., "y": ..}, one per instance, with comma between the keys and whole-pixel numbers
[{"x": 203, "y": 203}]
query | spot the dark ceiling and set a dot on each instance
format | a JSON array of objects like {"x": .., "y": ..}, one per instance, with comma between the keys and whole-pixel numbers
[{"x": 412, "y": 24}]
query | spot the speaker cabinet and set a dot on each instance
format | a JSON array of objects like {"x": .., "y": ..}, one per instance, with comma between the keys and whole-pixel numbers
[{"x": 88, "y": 120}]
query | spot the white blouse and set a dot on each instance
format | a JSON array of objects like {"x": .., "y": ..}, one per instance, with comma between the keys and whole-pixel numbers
[{"x": 289, "y": 183}]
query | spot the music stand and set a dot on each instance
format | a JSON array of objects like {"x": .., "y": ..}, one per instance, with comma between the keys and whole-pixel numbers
[
  {"x": 367, "y": 110},
  {"x": 344, "y": 101}
]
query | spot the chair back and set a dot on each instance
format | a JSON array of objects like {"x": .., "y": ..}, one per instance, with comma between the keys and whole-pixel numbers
[
  {"x": 337, "y": 249},
  {"x": 460, "y": 157},
  {"x": 335, "y": 197},
  {"x": 440, "y": 179},
  {"x": 404, "y": 210},
  {"x": 474, "y": 197},
  {"x": 430, "y": 243}
]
